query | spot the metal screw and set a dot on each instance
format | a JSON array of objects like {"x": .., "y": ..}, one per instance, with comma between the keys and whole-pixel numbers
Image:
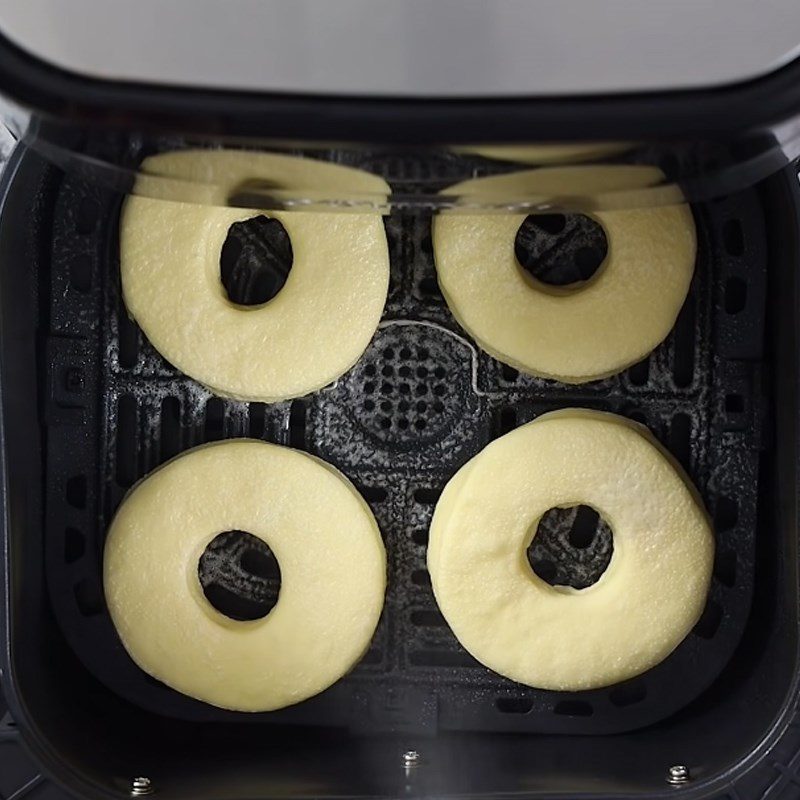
[
  {"x": 141, "y": 786},
  {"x": 411, "y": 758},
  {"x": 678, "y": 775}
]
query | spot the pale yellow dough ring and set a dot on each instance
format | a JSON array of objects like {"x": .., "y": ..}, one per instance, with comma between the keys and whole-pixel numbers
[
  {"x": 645, "y": 603},
  {"x": 328, "y": 547},
  {"x": 311, "y": 332},
  {"x": 546, "y": 153},
  {"x": 574, "y": 335}
]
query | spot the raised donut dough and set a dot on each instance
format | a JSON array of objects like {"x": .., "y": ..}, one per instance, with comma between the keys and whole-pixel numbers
[
  {"x": 318, "y": 324},
  {"x": 579, "y": 333},
  {"x": 556, "y": 637},
  {"x": 546, "y": 153},
  {"x": 326, "y": 541}
]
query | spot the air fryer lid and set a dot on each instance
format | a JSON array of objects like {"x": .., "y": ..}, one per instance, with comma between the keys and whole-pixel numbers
[
  {"x": 411, "y": 48},
  {"x": 273, "y": 66},
  {"x": 715, "y": 90}
]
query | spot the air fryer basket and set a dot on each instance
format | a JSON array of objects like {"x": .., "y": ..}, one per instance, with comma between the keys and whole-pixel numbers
[
  {"x": 107, "y": 409},
  {"x": 420, "y": 402}
]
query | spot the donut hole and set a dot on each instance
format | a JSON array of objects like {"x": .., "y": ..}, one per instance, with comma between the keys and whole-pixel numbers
[
  {"x": 560, "y": 250},
  {"x": 571, "y": 546},
  {"x": 240, "y": 575},
  {"x": 255, "y": 260}
]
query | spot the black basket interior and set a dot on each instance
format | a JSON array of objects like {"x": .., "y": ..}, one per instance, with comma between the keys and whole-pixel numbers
[
  {"x": 739, "y": 738},
  {"x": 421, "y": 401}
]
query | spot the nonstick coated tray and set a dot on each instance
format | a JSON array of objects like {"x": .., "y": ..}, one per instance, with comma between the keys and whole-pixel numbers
[{"x": 421, "y": 402}]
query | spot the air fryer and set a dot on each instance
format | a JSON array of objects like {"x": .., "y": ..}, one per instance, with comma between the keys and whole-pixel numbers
[{"x": 424, "y": 95}]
